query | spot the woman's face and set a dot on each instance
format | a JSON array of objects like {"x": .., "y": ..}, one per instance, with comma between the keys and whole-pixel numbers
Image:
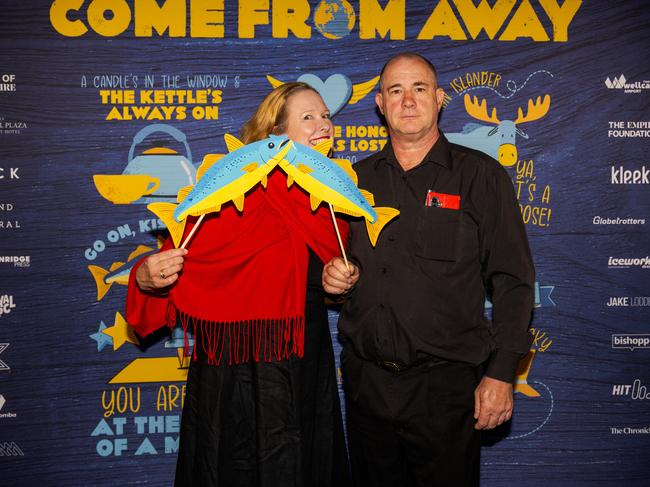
[{"x": 308, "y": 119}]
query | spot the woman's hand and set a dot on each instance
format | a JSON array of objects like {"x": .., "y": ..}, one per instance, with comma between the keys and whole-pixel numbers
[{"x": 160, "y": 270}]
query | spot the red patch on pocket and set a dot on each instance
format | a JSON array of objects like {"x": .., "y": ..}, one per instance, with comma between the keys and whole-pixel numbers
[{"x": 442, "y": 200}]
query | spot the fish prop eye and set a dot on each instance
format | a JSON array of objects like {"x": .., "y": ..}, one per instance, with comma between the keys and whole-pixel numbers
[{"x": 271, "y": 145}]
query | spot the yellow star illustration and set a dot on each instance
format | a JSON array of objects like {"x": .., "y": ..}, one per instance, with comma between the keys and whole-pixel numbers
[{"x": 120, "y": 332}]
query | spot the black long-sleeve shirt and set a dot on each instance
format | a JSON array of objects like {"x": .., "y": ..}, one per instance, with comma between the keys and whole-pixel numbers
[{"x": 423, "y": 287}]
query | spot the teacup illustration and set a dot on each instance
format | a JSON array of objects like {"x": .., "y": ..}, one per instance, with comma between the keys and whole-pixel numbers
[{"x": 122, "y": 189}]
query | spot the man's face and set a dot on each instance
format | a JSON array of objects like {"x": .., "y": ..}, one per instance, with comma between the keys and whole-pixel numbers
[{"x": 410, "y": 99}]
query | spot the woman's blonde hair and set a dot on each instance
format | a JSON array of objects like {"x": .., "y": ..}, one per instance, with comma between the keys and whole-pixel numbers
[{"x": 271, "y": 116}]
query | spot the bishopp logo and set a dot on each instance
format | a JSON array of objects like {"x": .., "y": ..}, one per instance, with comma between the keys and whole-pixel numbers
[
  {"x": 630, "y": 342},
  {"x": 621, "y": 83},
  {"x": 5, "y": 414},
  {"x": 6, "y": 304}
]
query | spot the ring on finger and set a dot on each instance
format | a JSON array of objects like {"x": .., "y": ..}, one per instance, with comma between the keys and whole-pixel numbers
[{"x": 162, "y": 275}]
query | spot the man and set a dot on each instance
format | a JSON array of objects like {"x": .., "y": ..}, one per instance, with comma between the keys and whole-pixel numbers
[{"x": 423, "y": 370}]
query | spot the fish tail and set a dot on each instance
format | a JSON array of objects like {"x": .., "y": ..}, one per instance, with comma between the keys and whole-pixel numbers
[
  {"x": 99, "y": 274},
  {"x": 165, "y": 211},
  {"x": 384, "y": 215}
]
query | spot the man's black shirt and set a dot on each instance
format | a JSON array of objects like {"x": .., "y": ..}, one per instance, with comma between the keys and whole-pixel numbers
[{"x": 422, "y": 288}]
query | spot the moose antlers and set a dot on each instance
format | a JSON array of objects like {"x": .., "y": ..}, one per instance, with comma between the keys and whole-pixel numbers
[{"x": 535, "y": 111}]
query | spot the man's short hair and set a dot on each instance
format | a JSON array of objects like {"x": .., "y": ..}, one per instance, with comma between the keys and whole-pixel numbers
[{"x": 408, "y": 55}]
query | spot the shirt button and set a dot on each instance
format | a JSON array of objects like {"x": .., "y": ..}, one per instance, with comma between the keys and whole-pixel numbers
[
  {"x": 391, "y": 239},
  {"x": 381, "y": 306},
  {"x": 384, "y": 270}
]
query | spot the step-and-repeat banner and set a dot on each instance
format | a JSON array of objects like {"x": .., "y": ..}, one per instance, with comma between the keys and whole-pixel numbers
[{"x": 108, "y": 105}]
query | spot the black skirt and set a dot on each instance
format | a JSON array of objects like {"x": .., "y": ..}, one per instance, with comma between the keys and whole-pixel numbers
[{"x": 267, "y": 424}]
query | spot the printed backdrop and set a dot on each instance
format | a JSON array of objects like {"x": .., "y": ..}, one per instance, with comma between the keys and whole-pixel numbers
[{"x": 108, "y": 105}]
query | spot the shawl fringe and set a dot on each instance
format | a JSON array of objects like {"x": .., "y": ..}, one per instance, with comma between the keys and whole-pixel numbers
[{"x": 239, "y": 342}]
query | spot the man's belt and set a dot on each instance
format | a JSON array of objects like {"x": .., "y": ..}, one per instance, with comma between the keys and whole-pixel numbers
[{"x": 396, "y": 368}]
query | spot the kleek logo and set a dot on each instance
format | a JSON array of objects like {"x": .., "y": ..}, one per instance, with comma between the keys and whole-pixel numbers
[
  {"x": 628, "y": 263},
  {"x": 6, "y": 304},
  {"x": 7, "y": 82},
  {"x": 635, "y": 391},
  {"x": 3, "y": 366},
  {"x": 5, "y": 414},
  {"x": 628, "y": 129},
  {"x": 16, "y": 260},
  {"x": 621, "y": 83},
  {"x": 599, "y": 220},
  {"x": 627, "y": 301},
  {"x": 630, "y": 342},
  {"x": 620, "y": 175},
  {"x": 334, "y": 19}
]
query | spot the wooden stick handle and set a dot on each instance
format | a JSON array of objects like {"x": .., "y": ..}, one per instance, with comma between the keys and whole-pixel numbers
[
  {"x": 338, "y": 235},
  {"x": 191, "y": 234}
]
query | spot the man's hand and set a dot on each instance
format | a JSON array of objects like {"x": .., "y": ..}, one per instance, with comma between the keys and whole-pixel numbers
[
  {"x": 337, "y": 278},
  {"x": 492, "y": 403},
  {"x": 160, "y": 270}
]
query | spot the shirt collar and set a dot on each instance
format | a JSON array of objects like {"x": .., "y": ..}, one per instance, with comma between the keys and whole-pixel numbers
[{"x": 439, "y": 154}]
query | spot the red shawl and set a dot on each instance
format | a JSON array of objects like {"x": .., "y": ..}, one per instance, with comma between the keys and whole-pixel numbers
[{"x": 244, "y": 279}]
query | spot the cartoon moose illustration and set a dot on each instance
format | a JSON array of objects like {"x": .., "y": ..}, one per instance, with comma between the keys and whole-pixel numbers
[{"x": 499, "y": 141}]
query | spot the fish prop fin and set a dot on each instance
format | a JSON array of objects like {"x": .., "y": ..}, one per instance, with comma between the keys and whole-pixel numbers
[
  {"x": 99, "y": 274},
  {"x": 115, "y": 265},
  {"x": 315, "y": 201},
  {"x": 370, "y": 198},
  {"x": 165, "y": 211},
  {"x": 183, "y": 192},
  {"x": 323, "y": 147},
  {"x": 239, "y": 202},
  {"x": 289, "y": 180},
  {"x": 264, "y": 180},
  {"x": 208, "y": 161},
  {"x": 139, "y": 250},
  {"x": 304, "y": 169},
  {"x": 360, "y": 90},
  {"x": 346, "y": 211},
  {"x": 232, "y": 142},
  {"x": 347, "y": 167},
  {"x": 384, "y": 215},
  {"x": 251, "y": 167},
  {"x": 274, "y": 81}
]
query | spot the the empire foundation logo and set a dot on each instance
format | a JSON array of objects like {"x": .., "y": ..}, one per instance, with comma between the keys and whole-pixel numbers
[{"x": 7, "y": 82}]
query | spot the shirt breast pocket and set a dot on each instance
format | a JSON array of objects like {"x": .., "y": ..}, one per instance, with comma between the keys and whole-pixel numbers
[{"x": 438, "y": 234}]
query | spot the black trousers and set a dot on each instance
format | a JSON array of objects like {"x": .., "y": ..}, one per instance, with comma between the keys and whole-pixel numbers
[{"x": 413, "y": 428}]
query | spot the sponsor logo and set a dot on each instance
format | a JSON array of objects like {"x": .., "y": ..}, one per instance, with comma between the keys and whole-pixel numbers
[
  {"x": 628, "y": 129},
  {"x": 10, "y": 449},
  {"x": 635, "y": 391},
  {"x": 630, "y": 342},
  {"x": 621, "y": 83},
  {"x": 599, "y": 220},
  {"x": 7, "y": 82},
  {"x": 6, "y": 304},
  {"x": 620, "y": 175},
  {"x": 11, "y": 127},
  {"x": 9, "y": 173},
  {"x": 3, "y": 365},
  {"x": 8, "y": 223},
  {"x": 16, "y": 260},
  {"x": 5, "y": 414},
  {"x": 627, "y": 301},
  {"x": 627, "y": 430},
  {"x": 628, "y": 262}
]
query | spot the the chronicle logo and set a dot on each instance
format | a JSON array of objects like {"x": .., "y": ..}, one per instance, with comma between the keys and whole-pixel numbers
[
  {"x": 621, "y": 83},
  {"x": 620, "y": 175},
  {"x": 635, "y": 391},
  {"x": 16, "y": 260},
  {"x": 6, "y": 304},
  {"x": 5, "y": 414},
  {"x": 630, "y": 342},
  {"x": 627, "y": 263},
  {"x": 626, "y": 430}
]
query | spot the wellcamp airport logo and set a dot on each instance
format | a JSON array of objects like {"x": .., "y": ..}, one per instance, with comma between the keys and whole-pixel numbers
[
  {"x": 16, "y": 260},
  {"x": 628, "y": 263},
  {"x": 621, "y": 83},
  {"x": 3, "y": 413},
  {"x": 630, "y": 342}
]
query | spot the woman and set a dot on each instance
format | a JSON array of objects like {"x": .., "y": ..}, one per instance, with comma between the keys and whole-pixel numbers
[{"x": 261, "y": 406}]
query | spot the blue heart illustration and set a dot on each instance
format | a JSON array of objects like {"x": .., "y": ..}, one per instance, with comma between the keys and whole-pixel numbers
[{"x": 335, "y": 91}]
